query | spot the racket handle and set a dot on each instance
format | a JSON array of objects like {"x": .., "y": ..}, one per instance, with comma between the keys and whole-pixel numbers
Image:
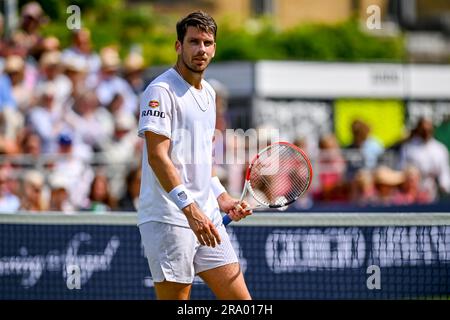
[{"x": 226, "y": 220}]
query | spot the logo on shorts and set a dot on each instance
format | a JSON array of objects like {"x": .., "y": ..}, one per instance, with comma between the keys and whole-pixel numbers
[
  {"x": 182, "y": 196},
  {"x": 153, "y": 104}
]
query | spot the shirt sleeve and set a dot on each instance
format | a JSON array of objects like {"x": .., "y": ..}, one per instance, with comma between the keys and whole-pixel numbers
[
  {"x": 444, "y": 174},
  {"x": 155, "y": 115},
  {"x": 6, "y": 96}
]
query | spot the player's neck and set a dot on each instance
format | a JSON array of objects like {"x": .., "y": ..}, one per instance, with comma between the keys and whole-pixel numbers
[{"x": 193, "y": 78}]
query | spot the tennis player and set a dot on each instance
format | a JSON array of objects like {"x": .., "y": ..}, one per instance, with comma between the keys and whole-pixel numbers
[{"x": 180, "y": 198}]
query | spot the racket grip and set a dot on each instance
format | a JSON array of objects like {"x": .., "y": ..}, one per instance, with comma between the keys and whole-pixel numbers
[{"x": 226, "y": 220}]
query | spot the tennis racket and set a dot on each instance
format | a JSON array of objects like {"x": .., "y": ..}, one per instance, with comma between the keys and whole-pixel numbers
[{"x": 276, "y": 177}]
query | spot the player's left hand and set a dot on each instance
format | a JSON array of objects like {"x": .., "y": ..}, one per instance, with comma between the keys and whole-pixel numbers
[{"x": 235, "y": 209}]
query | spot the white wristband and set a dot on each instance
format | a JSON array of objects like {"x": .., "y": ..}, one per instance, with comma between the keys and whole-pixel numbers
[
  {"x": 217, "y": 187},
  {"x": 181, "y": 196}
]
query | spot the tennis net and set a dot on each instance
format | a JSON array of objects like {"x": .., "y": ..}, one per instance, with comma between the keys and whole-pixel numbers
[{"x": 283, "y": 256}]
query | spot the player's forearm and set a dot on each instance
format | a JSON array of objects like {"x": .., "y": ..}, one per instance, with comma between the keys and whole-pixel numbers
[
  {"x": 165, "y": 171},
  {"x": 169, "y": 179}
]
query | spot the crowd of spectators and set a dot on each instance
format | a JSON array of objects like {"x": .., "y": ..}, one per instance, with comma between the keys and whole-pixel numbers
[
  {"x": 68, "y": 121},
  {"x": 415, "y": 171}
]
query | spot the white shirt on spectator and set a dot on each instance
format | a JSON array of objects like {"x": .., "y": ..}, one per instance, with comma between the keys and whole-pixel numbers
[
  {"x": 47, "y": 125},
  {"x": 92, "y": 60},
  {"x": 432, "y": 159},
  {"x": 94, "y": 128},
  {"x": 108, "y": 88},
  {"x": 62, "y": 90}
]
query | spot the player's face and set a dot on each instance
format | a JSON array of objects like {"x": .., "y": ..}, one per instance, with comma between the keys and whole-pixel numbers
[{"x": 197, "y": 49}]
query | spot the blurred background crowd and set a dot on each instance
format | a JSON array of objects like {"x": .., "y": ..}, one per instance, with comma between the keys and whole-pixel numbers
[
  {"x": 67, "y": 116},
  {"x": 68, "y": 134},
  {"x": 413, "y": 172}
]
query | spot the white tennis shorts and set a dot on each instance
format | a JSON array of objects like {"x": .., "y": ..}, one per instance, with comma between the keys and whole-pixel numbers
[{"x": 174, "y": 253}]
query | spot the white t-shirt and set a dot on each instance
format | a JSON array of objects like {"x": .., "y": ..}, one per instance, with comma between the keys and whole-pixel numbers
[
  {"x": 432, "y": 159},
  {"x": 172, "y": 107}
]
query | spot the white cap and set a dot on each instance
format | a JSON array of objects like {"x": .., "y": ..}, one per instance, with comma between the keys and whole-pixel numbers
[
  {"x": 50, "y": 58},
  {"x": 133, "y": 62},
  {"x": 58, "y": 180},
  {"x": 14, "y": 63},
  {"x": 75, "y": 63},
  {"x": 109, "y": 58},
  {"x": 34, "y": 177},
  {"x": 125, "y": 121}
]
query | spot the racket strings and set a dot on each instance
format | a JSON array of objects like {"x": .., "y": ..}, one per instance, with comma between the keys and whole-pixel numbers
[{"x": 281, "y": 174}]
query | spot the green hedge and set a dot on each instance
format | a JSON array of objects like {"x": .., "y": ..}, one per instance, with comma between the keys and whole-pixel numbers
[
  {"x": 342, "y": 42},
  {"x": 113, "y": 24}
]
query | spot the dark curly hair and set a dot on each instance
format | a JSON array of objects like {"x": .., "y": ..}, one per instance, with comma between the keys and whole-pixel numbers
[{"x": 198, "y": 19}]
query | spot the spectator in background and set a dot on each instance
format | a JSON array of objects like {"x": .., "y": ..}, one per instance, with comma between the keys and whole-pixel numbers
[
  {"x": 9, "y": 116},
  {"x": 430, "y": 156},
  {"x": 368, "y": 146},
  {"x": 122, "y": 149},
  {"x": 116, "y": 106},
  {"x": 32, "y": 192},
  {"x": 387, "y": 182},
  {"x": 28, "y": 36},
  {"x": 331, "y": 167},
  {"x": 75, "y": 69},
  {"x": 50, "y": 43},
  {"x": 222, "y": 96},
  {"x": 130, "y": 200},
  {"x": 51, "y": 74},
  {"x": 30, "y": 143},
  {"x": 81, "y": 49},
  {"x": 13, "y": 183},
  {"x": 15, "y": 69},
  {"x": 9, "y": 202},
  {"x": 7, "y": 145},
  {"x": 110, "y": 84},
  {"x": 411, "y": 191},
  {"x": 133, "y": 69},
  {"x": 93, "y": 124},
  {"x": 306, "y": 200},
  {"x": 44, "y": 120},
  {"x": 3, "y": 44},
  {"x": 302, "y": 143},
  {"x": 442, "y": 132},
  {"x": 100, "y": 199},
  {"x": 59, "y": 194},
  {"x": 235, "y": 164},
  {"x": 362, "y": 188},
  {"x": 72, "y": 165},
  {"x": 219, "y": 140},
  {"x": 123, "y": 146},
  {"x": 6, "y": 96}
]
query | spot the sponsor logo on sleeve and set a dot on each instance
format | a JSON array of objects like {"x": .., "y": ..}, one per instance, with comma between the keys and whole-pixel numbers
[
  {"x": 153, "y": 104},
  {"x": 151, "y": 112}
]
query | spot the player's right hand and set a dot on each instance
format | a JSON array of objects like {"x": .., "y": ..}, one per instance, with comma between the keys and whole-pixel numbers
[
  {"x": 203, "y": 228},
  {"x": 240, "y": 211}
]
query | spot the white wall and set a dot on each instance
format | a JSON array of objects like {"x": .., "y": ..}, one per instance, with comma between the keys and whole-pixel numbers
[{"x": 323, "y": 80}]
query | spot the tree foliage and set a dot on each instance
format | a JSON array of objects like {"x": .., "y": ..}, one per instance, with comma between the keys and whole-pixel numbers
[{"x": 111, "y": 23}]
